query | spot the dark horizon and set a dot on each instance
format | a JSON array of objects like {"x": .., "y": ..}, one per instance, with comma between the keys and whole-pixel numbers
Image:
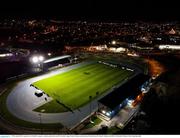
[{"x": 149, "y": 10}]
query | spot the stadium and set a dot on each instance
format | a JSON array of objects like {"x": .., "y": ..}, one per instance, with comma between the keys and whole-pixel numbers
[{"x": 73, "y": 91}]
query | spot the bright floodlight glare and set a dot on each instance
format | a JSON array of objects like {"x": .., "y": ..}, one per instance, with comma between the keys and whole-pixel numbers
[
  {"x": 49, "y": 54},
  {"x": 35, "y": 59},
  {"x": 41, "y": 58},
  {"x": 113, "y": 42}
]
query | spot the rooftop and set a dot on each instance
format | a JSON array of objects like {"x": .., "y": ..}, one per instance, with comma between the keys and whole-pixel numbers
[
  {"x": 129, "y": 89},
  {"x": 57, "y": 58}
]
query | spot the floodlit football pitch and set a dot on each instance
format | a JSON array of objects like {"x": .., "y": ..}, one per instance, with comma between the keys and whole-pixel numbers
[{"x": 79, "y": 86}]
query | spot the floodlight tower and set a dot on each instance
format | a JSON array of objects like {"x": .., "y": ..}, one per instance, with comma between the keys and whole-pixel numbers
[
  {"x": 38, "y": 61},
  {"x": 41, "y": 59}
]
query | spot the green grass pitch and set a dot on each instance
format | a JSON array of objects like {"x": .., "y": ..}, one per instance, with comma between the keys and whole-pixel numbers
[{"x": 74, "y": 87}]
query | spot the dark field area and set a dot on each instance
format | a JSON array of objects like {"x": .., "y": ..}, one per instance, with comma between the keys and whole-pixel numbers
[{"x": 11, "y": 69}]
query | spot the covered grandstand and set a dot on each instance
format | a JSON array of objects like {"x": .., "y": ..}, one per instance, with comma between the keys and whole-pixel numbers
[
  {"x": 129, "y": 92},
  {"x": 56, "y": 61}
]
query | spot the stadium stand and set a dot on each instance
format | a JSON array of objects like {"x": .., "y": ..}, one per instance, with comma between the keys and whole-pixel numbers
[
  {"x": 61, "y": 60},
  {"x": 117, "y": 99}
]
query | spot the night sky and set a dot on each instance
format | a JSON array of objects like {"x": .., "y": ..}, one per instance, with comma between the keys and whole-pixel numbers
[{"x": 93, "y": 9}]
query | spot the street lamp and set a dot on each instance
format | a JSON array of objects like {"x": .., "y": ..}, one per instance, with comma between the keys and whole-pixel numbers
[
  {"x": 90, "y": 97},
  {"x": 114, "y": 42},
  {"x": 49, "y": 54},
  {"x": 40, "y": 122}
]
